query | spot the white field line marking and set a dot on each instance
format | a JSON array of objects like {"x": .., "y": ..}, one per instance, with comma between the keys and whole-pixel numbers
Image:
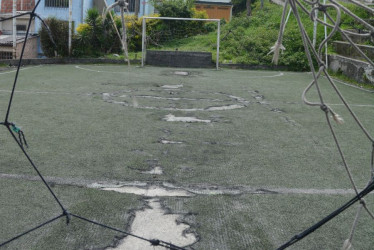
[
  {"x": 350, "y": 85},
  {"x": 36, "y": 92},
  {"x": 354, "y": 105},
  {"x": 188, "y": 189},
  {"x": 100, "y": 71},
  {"x": 172, "y": 118},
  {"x": 12, "y": 71},
  {"x": 331, "y": 104}
]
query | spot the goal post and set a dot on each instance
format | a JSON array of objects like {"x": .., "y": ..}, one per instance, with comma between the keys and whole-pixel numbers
[{"x": 144, "y": 35}]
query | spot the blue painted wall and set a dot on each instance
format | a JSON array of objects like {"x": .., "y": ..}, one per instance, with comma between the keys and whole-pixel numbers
[
  {"x": 79, "y": 8},
  {"x": 145, "y": 8}
]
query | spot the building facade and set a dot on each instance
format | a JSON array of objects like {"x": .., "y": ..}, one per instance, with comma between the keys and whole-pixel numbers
[{"x": 216, "y": 9}]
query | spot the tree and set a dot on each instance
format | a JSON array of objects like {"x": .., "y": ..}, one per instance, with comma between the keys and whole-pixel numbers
[{"x": 248, "y": 6}]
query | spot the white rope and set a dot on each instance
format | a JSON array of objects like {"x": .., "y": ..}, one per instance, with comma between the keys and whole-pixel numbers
[{"x": 322, "y": 68}]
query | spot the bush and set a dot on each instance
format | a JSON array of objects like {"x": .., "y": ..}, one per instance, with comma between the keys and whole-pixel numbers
[
  {"x": 178, "y": 29},
  {"x": 249, "y": 39},
  {"x": 60, "y": 33},
  {"x": 96, "y": 36}
]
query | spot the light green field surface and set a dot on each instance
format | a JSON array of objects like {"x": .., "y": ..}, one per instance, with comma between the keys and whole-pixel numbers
[{"x": 93, "y": 123}]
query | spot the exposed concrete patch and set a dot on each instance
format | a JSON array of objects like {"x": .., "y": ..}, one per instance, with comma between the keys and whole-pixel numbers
[
  {"x": 133, "y": 100},
  {"x": 181, "y": 73},
  {"x": 155, "y": 223},
  {"x": 156, "y": 170},
  {"x": 172, "y": 86},
  {"x": 277, "y": 110},
  {"x": 106, "y": 96},
  {"x": 172, "y": 118},
  {"x": 259, "y": 97},
  {"x": 149, "y": 191},
  {"x": 292, "y": 122},
  {"x": 164, "y": 141},
  {"x": 228, "y": 107},
  {"x": 237, "y": 98},
  {"x": 166, "y": 98}
]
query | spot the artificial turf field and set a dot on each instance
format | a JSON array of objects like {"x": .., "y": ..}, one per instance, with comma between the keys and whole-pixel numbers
[{"x": 260, "y": 167}]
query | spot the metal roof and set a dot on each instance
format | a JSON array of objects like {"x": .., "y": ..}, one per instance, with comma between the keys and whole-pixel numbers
[{"x": 7, "y": 40}]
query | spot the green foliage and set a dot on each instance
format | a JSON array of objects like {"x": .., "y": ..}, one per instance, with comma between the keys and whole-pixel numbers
[
  {"x": 239, "y": 6},
  {"x": 174, "y": 8},
  {"x": 96, "y": 36},
  {"x": 249, "y": 39},
  {"x": 60, "y": 34},
  {"x": 177, "y": 29},
  {"x": 348, "y": 22}
]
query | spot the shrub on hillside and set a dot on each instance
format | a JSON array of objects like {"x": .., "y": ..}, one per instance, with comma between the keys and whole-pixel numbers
[{"x": 248, "y": 39}]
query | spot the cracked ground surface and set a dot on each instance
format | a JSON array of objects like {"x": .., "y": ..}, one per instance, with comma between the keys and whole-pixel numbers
[{"x": 251, "y": 178}]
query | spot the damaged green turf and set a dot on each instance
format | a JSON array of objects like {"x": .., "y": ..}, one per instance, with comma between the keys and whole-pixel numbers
[{"x": 95, "y": 123}]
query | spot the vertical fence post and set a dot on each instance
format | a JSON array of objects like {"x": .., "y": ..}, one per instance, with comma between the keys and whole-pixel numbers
[
  {"x": 70, "y": 24},
  {"x": 14, "y": 12},
  {"x": 218, "y": 37},
  {"x": 143, "y": 40}
]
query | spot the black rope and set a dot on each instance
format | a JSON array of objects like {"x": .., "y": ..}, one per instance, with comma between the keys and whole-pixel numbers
[
  {"x": 21, "y": 141},
  {"x": 20, "y": 61},
  {"x": 19, "y": 15},
  {"x": 36, "y": 169},
  {"x": 310, "y": 230},
  {"x": 32, "y": 229},
  {"x": 48, "y": 31}
]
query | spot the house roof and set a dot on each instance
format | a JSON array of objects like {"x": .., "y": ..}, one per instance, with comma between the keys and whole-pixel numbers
[
  {"x": 7, "y": 40},
  {"x": 220, "y": 2}
]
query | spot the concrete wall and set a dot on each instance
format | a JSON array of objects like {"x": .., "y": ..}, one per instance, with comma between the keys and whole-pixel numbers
[
  {"x": 179, "y": 59},
  {"x": 345, "y": 49},
  {"x": 30, "y": 49},
  {"x": 355, "y": 69}
]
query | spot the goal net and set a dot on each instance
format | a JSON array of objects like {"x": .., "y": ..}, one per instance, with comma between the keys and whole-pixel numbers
[{"x": 170, "y": 34}]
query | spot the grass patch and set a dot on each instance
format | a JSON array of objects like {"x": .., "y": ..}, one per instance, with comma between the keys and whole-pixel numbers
[{"x": 345, "y": 78}]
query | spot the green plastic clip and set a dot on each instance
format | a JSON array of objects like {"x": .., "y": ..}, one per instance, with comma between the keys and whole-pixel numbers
[{"x": 15, "y": 128}]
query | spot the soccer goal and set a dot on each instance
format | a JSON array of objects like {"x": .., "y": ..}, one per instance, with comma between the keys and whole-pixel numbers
[{"x": 162, "y": 39}]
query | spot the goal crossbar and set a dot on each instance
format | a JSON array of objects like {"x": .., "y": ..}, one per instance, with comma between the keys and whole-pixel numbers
[{"x": 181, "y": 19}]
